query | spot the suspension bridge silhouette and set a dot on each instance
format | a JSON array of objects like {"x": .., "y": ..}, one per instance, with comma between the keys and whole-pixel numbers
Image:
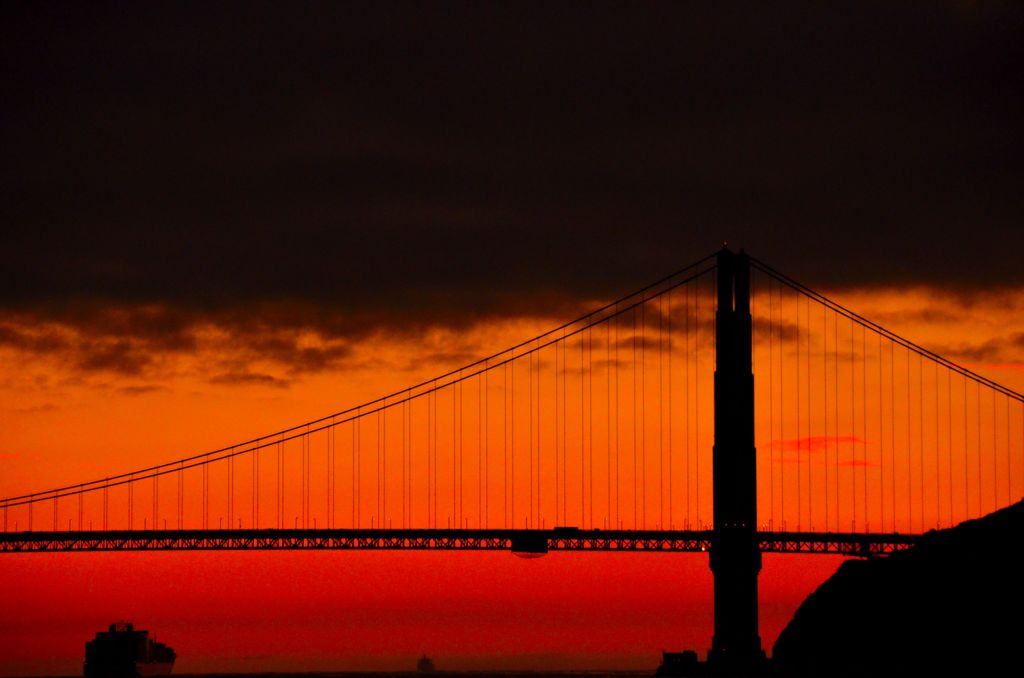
[{"x": 725, "y": 408}]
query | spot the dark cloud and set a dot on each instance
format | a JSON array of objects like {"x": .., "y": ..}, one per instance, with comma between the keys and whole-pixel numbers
[
  {"x": 932, "y": 315},
  {"x": 34, "y": 409},
  {"x": 248, "y": 379},
  {"x": 284, "y": 347},
  {"x": 118, "y": 355},
  {"x": 1006, "y": 349},
  {"x": 133, "y": 341},
  {"x": 407, "y": 165},
  {"x": 31, "y": 340},
  {"x": 456, "y": 356},
  {"x": 777, "y": 331}
]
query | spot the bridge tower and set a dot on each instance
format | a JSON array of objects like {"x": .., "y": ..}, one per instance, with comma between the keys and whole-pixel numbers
[{"x": 735, "y": 553}]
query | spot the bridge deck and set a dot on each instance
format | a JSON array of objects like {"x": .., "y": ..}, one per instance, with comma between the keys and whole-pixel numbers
[{"x": 527, "y": 541}]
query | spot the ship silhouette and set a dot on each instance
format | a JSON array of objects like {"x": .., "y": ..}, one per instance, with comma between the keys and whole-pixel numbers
[{"x": 123, "y": 652}]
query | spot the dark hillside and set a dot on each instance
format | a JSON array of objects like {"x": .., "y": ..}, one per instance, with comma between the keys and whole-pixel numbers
[{"x": 954, "y": 603}]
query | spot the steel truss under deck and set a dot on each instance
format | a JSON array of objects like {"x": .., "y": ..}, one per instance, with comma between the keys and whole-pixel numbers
[{"x": 526, "y": 541}]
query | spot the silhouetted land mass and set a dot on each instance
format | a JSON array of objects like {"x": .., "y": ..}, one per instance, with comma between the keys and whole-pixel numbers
[
  {"x": 443, "y": 674},
  {"x": 953, "y": 604}
]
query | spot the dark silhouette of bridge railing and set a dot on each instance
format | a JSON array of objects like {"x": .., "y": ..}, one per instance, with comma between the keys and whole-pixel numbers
[{"x": 518, "y": 541}]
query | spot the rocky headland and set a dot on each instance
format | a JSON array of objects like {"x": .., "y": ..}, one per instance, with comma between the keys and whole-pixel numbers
[{"x": 951, "y": 605}]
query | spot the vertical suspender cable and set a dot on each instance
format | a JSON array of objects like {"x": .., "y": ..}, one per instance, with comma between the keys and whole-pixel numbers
[
  {"x": 938, "y": 487},
  {"x": 643, "y": 412},
  {"x": 565, "y": 427},
  {"x": 455, "y": 519},
  {"x": 590, "y": 418},
  {"x": 696, "y": 399},
  {"x": 131, "y": 501},
  {"x": 608, "y": 420},
  {"x": 920, "y": 428},
  {"x": 882, "y": 456},
  {"x": 352, "y": 458},
  {"x": 799, "y": 412},
  {"x": 309, "y": 485},
  {"x": 686, "y": 401},
  {"x": 530, "y": 436},
  {"x": 661, "y": 421},
  {"x": 559, "y": 418},
  {"x": 671, "y": 475},
  {"x": 835, "y": 405},
  {"x": 406, "y": 455},
  {"x": 583, "y": 435},
  {"x": 853, "y": 417},
  {"x": 949, "y": 439},
  {"x": 156, "y": 499},
  {"x": 824, "y": 401},
  {"x": 863, "y": 420},
  {"x": 618, "y": 477},
  {"x": 909, "y": 459},
  {"x": 512, "y": 442},
  {"x": 771, "y": 401},
  {"x": 967, "y": 472},
  {"x": 635, "y": 451},
  {"x": 409, "y": 461},
  {"x": 782, "y": 413},
  {"x": 487, "y": 449},
  {"x": 892, "y": 428},
  {"x": 892, "y": 434},
  {"x": 504, "y": 435},
  {"x": 1009, "y": 495},
  {"x": 977, "y": 387},
  {"x": 435, "y": 453},
  {"x": 359, "y": 470},
  {"x": 810, "y": 424},
  {"x": 538, "y": 475},
  {"x": 255, "y": 474},
  {"x": 480, "y": 450},
  {"x": 995, "y": 464},
  {"x": 431, "y": 394},
  {"x": 462, "y": 453}
]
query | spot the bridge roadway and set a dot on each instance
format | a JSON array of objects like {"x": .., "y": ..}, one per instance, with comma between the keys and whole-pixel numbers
[{"x": 522, "y": 541}]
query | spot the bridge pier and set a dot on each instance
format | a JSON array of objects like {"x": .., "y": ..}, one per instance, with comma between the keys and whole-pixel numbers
[{"x": 735, "y": 552}]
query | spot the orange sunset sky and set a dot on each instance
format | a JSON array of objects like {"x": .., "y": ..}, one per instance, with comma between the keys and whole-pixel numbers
[
  {"x": 218, "y": 224},
  {"x": 372, "y": 610}
]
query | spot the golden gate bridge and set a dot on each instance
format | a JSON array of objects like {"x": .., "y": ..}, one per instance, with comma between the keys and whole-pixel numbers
[{"x": 725, "y": 408}]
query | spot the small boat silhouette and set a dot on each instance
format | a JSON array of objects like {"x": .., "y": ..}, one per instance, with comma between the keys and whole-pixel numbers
[{"x": 425, "y": 665}]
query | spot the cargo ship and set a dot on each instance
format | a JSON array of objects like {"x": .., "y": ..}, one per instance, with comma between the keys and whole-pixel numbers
[{"x": 123, "y": 652}]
